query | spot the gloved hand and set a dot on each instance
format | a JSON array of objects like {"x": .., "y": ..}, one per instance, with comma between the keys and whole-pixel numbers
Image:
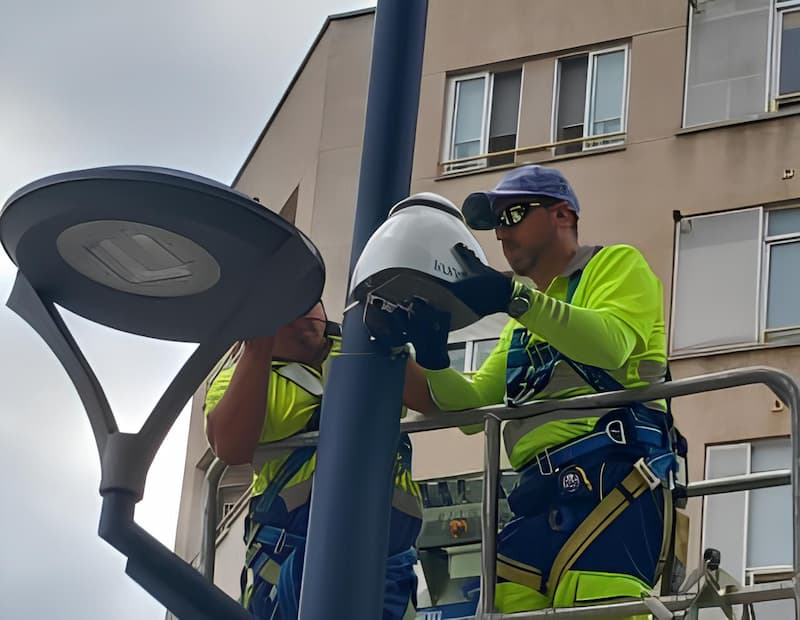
[
  {"x": 427, "y": 330},
  {"x": 422, "y": 325},
  {"x": 485, "y": 290}
]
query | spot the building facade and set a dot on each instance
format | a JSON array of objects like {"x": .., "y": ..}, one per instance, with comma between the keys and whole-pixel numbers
[{"x": 677, "y": 124}]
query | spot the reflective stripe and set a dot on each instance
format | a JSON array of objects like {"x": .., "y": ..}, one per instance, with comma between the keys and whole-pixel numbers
[
  {"x": 518, "y": 572},
  {"x": 302, "y": 376}
]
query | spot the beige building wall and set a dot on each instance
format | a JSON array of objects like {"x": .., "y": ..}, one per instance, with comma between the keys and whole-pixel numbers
[{"x": 628, "y": 193}]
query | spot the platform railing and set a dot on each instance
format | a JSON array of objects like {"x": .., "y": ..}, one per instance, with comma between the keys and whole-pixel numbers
[{"x": 783, "y": 385}]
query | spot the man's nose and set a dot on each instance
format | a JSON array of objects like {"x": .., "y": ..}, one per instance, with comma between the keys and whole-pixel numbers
[{"x": 501, "y": 232}]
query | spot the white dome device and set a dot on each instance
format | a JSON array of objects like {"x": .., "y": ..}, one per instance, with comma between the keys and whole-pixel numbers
[{"x": 411, "y": 255}]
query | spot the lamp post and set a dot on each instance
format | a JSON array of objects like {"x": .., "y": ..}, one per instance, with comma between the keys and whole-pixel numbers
[
  {"x": 348, "y": 533},
  {"x": 163, "y": 254}
]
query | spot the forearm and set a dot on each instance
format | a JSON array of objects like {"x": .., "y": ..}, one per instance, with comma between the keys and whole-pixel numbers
[
  {"x": 416, "y": 395},
  {"x": 450, "y": 390},
  {"x": 594, "y": 337},
  {"x": 234, "y": 425}
]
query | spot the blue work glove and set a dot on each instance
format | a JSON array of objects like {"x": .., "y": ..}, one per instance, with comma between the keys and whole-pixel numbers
[
  {"x": 427, "y": 330},
  {"x": 485, "y": 290}
]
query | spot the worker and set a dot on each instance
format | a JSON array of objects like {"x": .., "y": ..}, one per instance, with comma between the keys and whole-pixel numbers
[
  {"x": 272, "y": 392},
  {"x": 592, "y": 506}
]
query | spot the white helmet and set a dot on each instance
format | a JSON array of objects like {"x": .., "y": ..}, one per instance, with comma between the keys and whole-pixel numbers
[{"x": 411, "y": 255}]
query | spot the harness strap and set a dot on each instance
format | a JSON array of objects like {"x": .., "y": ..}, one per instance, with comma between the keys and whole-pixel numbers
[
  {"x": 289, "y": 468},
  {"x": 519, "y": 572},
  {"x": 610, "y": 507},
  {"x": 297, "y": 373},
  {"x": 667, "y": 542},
  {"x": 614, "y": 435},
  {"x": 273, "y": 541}
]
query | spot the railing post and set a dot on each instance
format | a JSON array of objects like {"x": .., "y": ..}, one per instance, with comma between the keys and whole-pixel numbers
[
  {"x": 791, "y": 397},
  {"x": 491, "y": 482},
  {"x": 208, "y": 546}
]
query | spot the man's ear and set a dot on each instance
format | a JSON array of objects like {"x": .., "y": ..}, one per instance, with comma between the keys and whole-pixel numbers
[{"x": 564, "y": 213}]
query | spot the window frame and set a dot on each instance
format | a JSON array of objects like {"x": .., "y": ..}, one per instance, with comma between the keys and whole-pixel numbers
[
  {"x": 469, "y": 352},
  {"x": 748, "y": 572},
  {"x": 748, "y": 466},
  {"x": 486, "y": 116},
  {"x": 779, "y": 10},
  {"x": 769, "y": 243},
  {"x": 762, "y": 286},
  {"x": 588, "y": 96},
  {"x": 772, "y": 98}
]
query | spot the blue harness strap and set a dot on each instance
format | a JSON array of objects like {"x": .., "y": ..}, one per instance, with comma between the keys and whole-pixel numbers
[
  {"x": 635, "y": 428},
  {"x": 265, "y": 542},
  {"x": 400, "y": 580}
]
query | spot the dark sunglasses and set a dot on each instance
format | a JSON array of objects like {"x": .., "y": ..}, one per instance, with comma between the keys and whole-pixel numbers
[{"x": 513, "y": 214}]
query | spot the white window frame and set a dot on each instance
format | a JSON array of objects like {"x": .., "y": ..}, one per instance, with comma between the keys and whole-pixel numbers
[
  {"x": 591, "y": 57},
  {"x": 748, "y": 467},
  {"x": 469, "y": 352},
  {"x": 762, "y": 285},
  {"x": 772, "y": 81},
  {"x": 748, "y": 572},
  {"x": 450, "y": 134},
  {"x": 689, "y": 56},
  {"x": 488, "y": 102},
  {"x": 779, "y": 9}
]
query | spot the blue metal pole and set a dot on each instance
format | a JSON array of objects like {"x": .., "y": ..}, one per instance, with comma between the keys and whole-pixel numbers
[{"x": 348, "y": 534}]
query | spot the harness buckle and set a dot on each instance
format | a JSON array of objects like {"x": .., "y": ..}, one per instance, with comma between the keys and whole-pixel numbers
[
  {"x": 615, "y": 430},
  {"x": 647, "y": 474},
  {"x": 280, "y": 543},
  {"x": 545, "y": 459}
]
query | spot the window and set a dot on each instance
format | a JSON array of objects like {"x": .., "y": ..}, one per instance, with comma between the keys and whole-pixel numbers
[
  {"x": 590, "y": 98},
  {"x": 743, "y": 59},
  {"x": 481, "y": 350},
  {"x": 751, "y": 529},
  {"x": 483, "y": 118},
  {"x": 469, "y": 356},
  {"x": 733, "y": 283},
  {"x": 458, "y": 355},
  {"x": 227, "y": 508},
  {"x": 787, "y": 53}
]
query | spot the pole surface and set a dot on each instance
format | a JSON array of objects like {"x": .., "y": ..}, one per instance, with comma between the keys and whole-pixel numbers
[{"x": 348, "y": 533}]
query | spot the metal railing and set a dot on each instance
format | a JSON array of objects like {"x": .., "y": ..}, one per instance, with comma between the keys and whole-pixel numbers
[{"x": 784, "y": 386}]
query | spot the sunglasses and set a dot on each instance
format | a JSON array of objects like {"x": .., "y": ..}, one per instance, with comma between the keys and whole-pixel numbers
[{"x": 513, "y": 214}]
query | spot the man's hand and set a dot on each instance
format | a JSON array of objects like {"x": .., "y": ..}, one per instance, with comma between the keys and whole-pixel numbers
[
  {"x": 427, "y": 331},
  {"x": 420, "y": 324},
  {"x": 485, "y": 290},
  {"x": 259, "y": 348}
]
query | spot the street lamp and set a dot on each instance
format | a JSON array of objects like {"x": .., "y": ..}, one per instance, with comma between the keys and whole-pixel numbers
[{"x": 163, "y": 254}]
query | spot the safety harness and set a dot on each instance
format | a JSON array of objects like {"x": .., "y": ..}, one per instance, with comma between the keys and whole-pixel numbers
[
  {"x": 275, "y": 556},
  {"x": 636, "y": 433}
]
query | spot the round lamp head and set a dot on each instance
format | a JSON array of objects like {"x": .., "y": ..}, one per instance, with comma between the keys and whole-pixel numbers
[{"x": 161, "y": 253}]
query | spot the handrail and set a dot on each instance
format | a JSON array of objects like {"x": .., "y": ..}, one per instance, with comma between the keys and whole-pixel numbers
[
  {"x": 211, "y": 518},
  {"x": 783, "y": 385}
]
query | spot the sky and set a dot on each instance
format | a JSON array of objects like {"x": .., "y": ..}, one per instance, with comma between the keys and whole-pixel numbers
[{"x": 83, "y": 83}]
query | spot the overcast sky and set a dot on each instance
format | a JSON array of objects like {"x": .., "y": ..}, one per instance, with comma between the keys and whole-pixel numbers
[{"x": 183, "y": 84}]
